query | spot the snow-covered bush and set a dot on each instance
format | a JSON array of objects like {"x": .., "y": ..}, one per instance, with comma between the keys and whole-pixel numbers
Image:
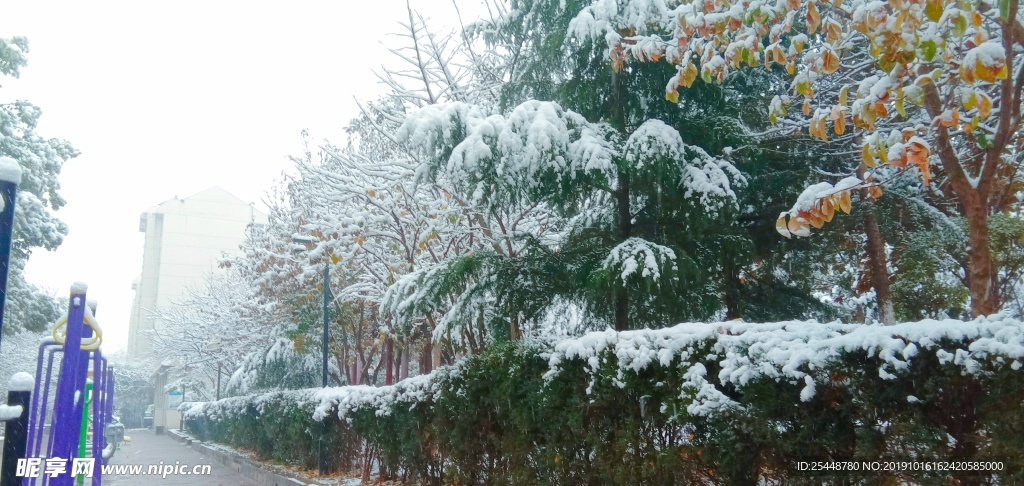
[{"x": 697, "y": 403}]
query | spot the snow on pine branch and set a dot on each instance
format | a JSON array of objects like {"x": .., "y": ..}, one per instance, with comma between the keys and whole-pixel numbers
[
  {"x": 490, "y": 155},
  {"x": 638, "y": 254},
  {"x": 706, "y": 178},
  {"x": 415, "y": 294},
  {"x": 500, "y": 160}
]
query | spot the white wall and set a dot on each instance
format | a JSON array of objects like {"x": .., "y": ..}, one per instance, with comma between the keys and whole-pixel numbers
[{"x": 185, "y": 239}]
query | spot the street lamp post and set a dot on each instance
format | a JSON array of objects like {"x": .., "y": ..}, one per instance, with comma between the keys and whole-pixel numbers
[
  {"x": 219, "y": 363},
  {"x": 327, "y": 298}
]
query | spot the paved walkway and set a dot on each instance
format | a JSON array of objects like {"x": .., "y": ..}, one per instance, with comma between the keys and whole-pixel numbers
[{"x": 147, "y": 448}]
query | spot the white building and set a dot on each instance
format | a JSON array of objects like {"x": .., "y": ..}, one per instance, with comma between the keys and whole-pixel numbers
[{"x": 185, "y": 241}]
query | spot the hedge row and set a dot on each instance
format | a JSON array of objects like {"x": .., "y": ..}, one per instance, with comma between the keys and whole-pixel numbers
[{"x": 729, "y": 403}]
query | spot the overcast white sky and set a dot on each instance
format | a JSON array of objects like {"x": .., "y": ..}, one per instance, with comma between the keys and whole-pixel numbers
[{"x": 166, "y": 99}]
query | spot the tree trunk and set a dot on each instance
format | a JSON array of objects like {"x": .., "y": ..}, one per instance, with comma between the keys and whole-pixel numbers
[
  {"x": 426, "y": 357},
  {"x": 984, "y": 298},
  {"x": 732, "y": 292},
  {"x": 389, "y": 361},
  {"x": 513, "y": 331},
  {"x": 625, "y": 216},
  {"x": 625, "y": 231},
  {"x": 343, "y": 366},
  {"x": 403, "y": 368},
  {"x": 976, "y": 195},
  {"x": 877, "y": 264}
]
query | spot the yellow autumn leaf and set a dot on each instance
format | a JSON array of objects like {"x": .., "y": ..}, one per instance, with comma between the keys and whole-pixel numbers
[
  {"x": 813, "y": 18},
  {"x": 967, "y": 72},
  {"x": 933, "y": 9},
  {"x": 816, "y": 221},
  {"x": 984, "y": 105},
  {"x": 833, "y": 31},
  {"x": 672, "y": 96},
  {"x": 813, "y": 129},
  {"x": 843, "y": 95},
  {"x": 778, "y": 54},
  {"x": 689, "y": 75},
  {"x": 970, "y": 101},
  {"x": 880, "y": 110},
  {"x": 950, "y": 121},
  {"x": 822, "y": 129},
  {"x": 985, "y": 72},
  {"x": 867, "y": 156},
  {"x": 829, "y": 61},
  {"x": 827, "y": 210},
  {"x": 845, "y": 201},
  {"x": 875, "y": 191},
  {"x": 798, "y": 226},
  {"x": 883, "y": 154},
  {"x": 781, "y": 227}
]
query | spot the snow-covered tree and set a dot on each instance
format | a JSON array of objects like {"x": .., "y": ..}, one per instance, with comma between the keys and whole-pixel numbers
[
  {"x": 210, "y": 331},
  {"x": 365, "y": 213},
  {"x": 35, "y": 226},
  {"x": 629, "y": 192},
  {"x": 133, "y": 391},
  {"x": 932, "y": 86},
  {"x": 277, "y": 366}
]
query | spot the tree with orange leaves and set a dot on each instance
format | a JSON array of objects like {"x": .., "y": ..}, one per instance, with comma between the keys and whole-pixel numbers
[{"x": 929, "y": 85}]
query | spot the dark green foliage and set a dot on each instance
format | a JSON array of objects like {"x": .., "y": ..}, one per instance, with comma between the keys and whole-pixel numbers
[
  {"x": 929, "y": 283},
  {"x": 498, "y": 419}
]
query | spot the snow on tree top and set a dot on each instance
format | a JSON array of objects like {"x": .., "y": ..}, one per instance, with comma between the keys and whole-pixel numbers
[
  {"x": 21, "y": 381},
  {"x": 10, "y": 170}
]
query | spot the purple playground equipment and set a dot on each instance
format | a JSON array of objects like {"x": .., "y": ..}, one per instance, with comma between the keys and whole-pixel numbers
[
  {"x": 83, "y": 396},
  {"x": 63, "y": 437}
]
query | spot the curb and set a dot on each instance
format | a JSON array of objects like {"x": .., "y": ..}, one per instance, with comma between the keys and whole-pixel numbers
[{"x": 244, "y": 466}]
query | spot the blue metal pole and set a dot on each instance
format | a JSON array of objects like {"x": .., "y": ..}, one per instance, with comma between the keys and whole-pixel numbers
[
  {"x": 10, "y": 177},
  {"x": 70, "y": 390},
  {"x": 39, "y": 431},
  {"x": 37, "y": 415}
]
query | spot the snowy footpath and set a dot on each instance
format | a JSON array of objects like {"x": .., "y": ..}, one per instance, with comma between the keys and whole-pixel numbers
[{"x": 185, "y": 465}]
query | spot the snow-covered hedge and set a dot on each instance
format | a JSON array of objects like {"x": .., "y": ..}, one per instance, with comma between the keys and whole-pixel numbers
[{"x": 695, "y": 403}]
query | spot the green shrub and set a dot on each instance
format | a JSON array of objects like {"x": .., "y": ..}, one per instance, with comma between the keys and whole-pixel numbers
[{"x": 730, "y": 403}]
